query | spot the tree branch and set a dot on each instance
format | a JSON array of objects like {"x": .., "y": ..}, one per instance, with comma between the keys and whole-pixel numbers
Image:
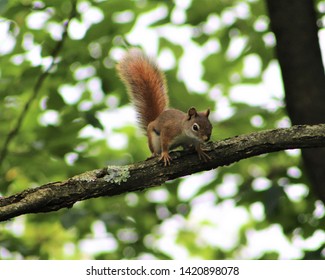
[{"x": 115, "y": 180}]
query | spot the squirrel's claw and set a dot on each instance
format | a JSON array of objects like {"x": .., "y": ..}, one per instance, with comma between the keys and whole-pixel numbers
[
  {"x": 166, "y": 158},
  {"x": 202, "y": 155}
]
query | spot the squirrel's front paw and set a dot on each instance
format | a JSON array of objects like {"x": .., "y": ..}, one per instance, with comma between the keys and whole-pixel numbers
[
  {"x": 166, "y": 158},
  {"x": 202, "y": 155}
]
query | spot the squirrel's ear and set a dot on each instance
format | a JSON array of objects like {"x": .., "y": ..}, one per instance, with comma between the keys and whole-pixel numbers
[
  {"x": 207, "y": 112},
  {"x": 191, "y": 113}
]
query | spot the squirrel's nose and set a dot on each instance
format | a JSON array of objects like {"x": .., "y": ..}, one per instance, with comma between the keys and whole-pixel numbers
[{"x": 206, "y": 138}]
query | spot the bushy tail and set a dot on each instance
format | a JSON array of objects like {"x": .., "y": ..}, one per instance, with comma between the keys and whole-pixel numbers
[{"x": 146, "y": 85}]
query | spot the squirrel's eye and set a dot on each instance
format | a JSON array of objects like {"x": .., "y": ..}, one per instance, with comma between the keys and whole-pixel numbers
[{"x": 195, "y": 127}]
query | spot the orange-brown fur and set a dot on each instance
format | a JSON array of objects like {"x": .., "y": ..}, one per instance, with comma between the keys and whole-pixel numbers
[
  {"x": 146, "y": 86},
  {"x": 166, "y": 128}
]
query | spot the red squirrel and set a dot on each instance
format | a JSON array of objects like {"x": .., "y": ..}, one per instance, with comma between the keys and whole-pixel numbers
[{"x": 166, "y": 128}]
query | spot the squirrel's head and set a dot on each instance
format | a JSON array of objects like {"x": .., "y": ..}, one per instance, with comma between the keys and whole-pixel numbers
[{"x": 198, "y": 125}]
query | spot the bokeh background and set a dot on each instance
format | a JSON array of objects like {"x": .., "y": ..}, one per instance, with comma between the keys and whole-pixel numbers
[{"x": 64, "y": 111}]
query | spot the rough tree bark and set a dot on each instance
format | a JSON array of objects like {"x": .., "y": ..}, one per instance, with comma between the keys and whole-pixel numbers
[
  {"x": 294, "y": 24},
  {"x": 114, "y": 180}
]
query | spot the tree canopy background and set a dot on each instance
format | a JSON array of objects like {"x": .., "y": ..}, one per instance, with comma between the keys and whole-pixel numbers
[{"x": 63, "y": 111}]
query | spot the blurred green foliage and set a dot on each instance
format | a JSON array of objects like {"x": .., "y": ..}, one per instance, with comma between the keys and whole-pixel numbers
[{"x": 69, "y": 128}]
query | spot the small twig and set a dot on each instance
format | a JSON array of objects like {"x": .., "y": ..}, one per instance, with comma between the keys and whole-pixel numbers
[{"x": 36, "y": 89}]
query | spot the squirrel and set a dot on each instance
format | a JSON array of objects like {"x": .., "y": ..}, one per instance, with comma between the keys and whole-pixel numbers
[{"x": 166, "y": 128}]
